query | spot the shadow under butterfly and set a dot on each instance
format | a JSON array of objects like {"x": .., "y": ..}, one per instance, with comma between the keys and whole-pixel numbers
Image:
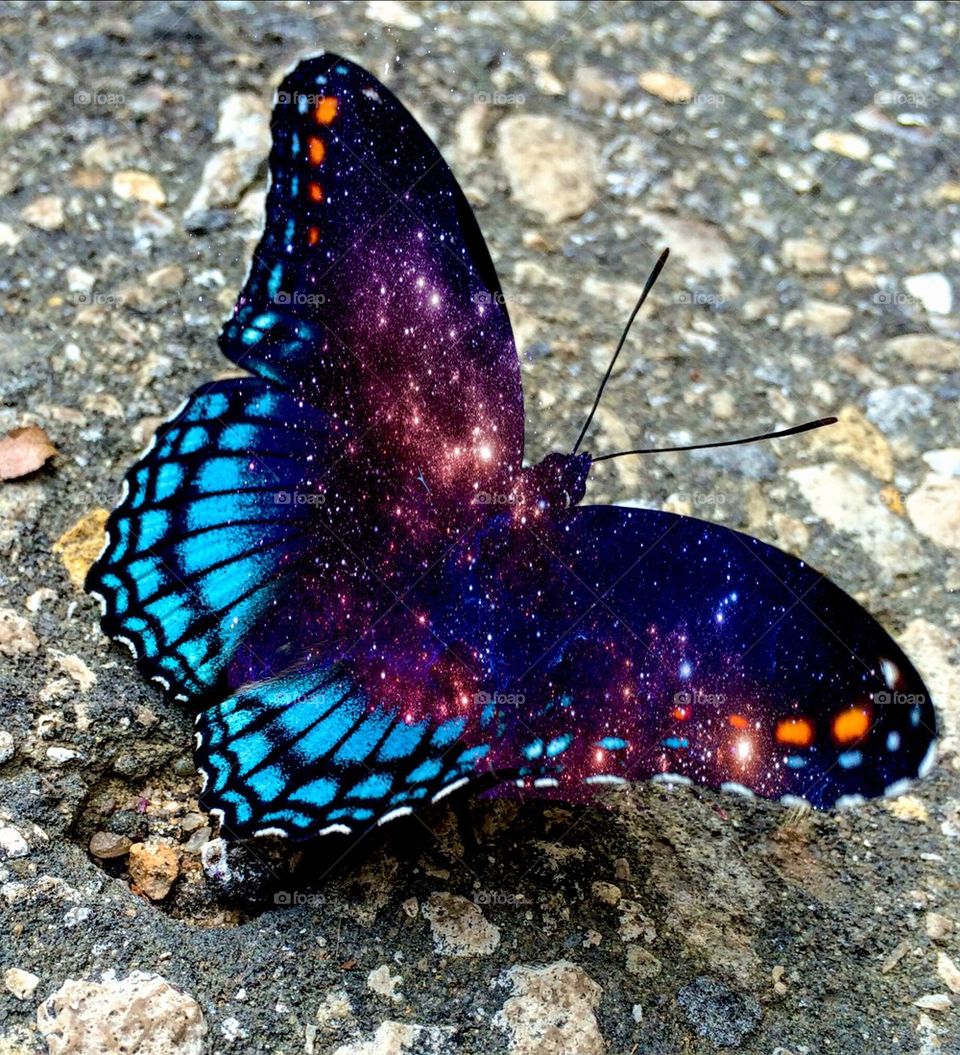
[{"x": 343, "y": 565}]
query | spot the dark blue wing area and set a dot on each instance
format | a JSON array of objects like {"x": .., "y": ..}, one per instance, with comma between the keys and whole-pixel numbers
[
  {"x": 212, "y": 518},
  {"x": 371, "y": 286},
  {"x": 559, "y": 655},
  {"x": 639, "y": 644}
]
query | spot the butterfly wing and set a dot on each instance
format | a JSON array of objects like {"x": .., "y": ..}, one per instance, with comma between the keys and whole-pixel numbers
[
  {"x": 213, "y": 517},
  {"x": 642, "y": 644},
  {"x": 307, "y": 753},
  {"x": 371, "y": 293},
  {"x": 565, "y": 653}
]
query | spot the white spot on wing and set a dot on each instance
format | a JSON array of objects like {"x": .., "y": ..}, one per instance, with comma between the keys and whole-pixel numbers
[
  {"x": 898, "y": 787},
  {"x": 400, "y": 811},
  {"x": 335, "y": 829},
  {"x": 126, "y": 641},
  {"x": 450, "y": 788},
  {"x": 928, "y": 759}
]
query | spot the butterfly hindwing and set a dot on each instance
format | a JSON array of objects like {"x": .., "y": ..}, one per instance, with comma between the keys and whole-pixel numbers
[
  {"x": 306, "y": 754},
  {"x": 629, "y": 644},
  {"x": 212, "y": 517}
]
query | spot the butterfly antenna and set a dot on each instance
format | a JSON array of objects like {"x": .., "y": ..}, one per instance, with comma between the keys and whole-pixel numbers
[
  {"x": 654, "y": 275},
  {"x": 806, "y": 427}
]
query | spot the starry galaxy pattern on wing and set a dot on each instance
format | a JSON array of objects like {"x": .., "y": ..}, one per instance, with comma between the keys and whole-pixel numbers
[{"x": 343, "y": 565}]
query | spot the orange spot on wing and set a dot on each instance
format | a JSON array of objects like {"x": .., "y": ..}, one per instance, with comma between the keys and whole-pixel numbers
[
  {"x": 313, "y": 235},
  {"x": 316, "y": 150},
  {"x": 738, "y": 721},
  {"x": 850, "y": 725},
  {"x": 315, "y": 191},
  {"x": 326, "y": 110},
  {"x": 797, "y": 732}
]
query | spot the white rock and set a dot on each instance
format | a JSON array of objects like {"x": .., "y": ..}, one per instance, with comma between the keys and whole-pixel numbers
[
  {"x": 552, "y": 1009},
  {"x": 79, "y": 280},
  {"x": 12, "y": 843},
  {"x": 46, "y": 213},
  {"x": 458, "y": 927},
  {"x": 944, "y": 462},
  {"x": 141, "y": 1013},
  {"x": 933, "y": 651},
  {"x": 934, "y": 509},
  {"x": 948, "y": 972},
  {"x": 820, "y": 317},
  {"x": 393, "y": 13},
  {"x": 703, "y": 247},
  {"x": 61, "y": 755},
  {"x": 7, "y": 746},
  {"x": 933, "y": 290},
  {"x": 400, "y": 1038},
  {"x": 244, "y": 127},
  {"x": 806, "y": 255},
  {"x": 384, "y": 983},
  {"x": 552, "y": 166},
  {"x": 934, "y": 1002},
  {"x": 850, "y": 504},
  {"x": 21, "y": 983}
]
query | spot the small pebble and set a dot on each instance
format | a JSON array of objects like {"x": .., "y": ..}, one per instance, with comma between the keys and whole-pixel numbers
[
  {"x": 666, "y": 86},
  {"x": 948, "y": 972},
  {"x": 46, "y": 213},
  {"x": 130, "y": 185},
  {"x": 937, "y": 926},
  {"x": 7, "y": 746},
  {"x": 932, "y": 290},
  {"x": 21, "y": 983},
  {"x": 12, "y": 843},
  {"x": 805, "y": 255},
  {"x": 107, "y": 845},
  {"x": 846, "y": 144},
  {"x": 552, "y": 165},
  {"x": 934, "y": 1002},
  {"x": 154, "y": 868}
]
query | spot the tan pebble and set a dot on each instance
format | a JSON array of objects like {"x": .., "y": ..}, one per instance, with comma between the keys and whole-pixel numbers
[
  {"x": 46, "y": 213},
  {"x": 79, "y": 546},
  {"x": 846, "y": 144},
  {"x": 937, "y": 926},
  {"x": 154, "y": 868},
  {"x": 131, "y": 185},
  {"x": 106, "y": 845},
  {"x": 667, "y": 86}
]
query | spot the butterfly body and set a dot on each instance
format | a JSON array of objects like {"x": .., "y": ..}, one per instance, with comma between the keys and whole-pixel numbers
[{"x": 342, "y": 563}]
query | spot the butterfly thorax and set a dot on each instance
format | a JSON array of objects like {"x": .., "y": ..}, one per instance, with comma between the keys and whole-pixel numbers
[{"x": 558, "y": 482}]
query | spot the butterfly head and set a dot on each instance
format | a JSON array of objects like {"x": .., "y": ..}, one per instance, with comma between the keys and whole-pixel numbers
[{"x": 558, "y": 482}]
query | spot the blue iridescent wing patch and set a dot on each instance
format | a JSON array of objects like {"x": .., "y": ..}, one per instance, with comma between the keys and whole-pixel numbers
[
  {"x": 307, "y": 754},
  {"x": 212, "y": 516}
]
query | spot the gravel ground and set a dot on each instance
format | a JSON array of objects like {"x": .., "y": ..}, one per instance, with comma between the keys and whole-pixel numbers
[{"x": 802, "y": 161}]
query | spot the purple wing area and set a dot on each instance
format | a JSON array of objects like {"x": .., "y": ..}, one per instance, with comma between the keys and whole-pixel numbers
[
  {"x": 372, "y": 296},
  {"x": 627, "y": 644}
]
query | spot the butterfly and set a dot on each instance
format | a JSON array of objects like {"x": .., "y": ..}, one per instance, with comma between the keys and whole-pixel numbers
[{"x": 341, "y": 562}]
